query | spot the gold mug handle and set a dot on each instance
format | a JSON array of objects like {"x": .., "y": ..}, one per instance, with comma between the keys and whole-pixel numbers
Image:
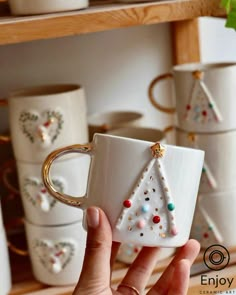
[
  {"x": 152, "y": 97},
  {"x": 6, "y": 172},
  {"x": 64, "y": 198},
  {"x": 3, "y": 102},
  {"x": 15, "y": 223}
]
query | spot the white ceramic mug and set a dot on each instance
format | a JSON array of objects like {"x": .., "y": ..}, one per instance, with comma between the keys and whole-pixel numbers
[
  {"x": 205, "y": 96},
  {"x": 147, "y": 190},
  {"x": 69, "y": 176},
  {"x": 106, "y": 121},
  {"x": 56, "y": 252},
  {"x": 5, "y": 276},
  {"x": 28, "y": 7},
  {"x": 218, "y": 173},
  {"x": 141, "y": 133},
  {"x": 46, "y": 117},
  {"x": 215, "y": 219}
]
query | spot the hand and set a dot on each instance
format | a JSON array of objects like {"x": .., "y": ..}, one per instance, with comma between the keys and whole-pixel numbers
[{"x": 100, "y": 255}]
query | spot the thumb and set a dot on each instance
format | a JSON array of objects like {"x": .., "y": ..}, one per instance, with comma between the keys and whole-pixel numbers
[{"x": 97, "y": 253}]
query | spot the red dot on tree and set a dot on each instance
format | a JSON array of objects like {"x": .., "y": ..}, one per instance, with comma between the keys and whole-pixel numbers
[
  {"x": 205, "y": 235},
  {"x": 127, "y": 203},
  {"x": 188, "y": 107},
  {"x": 204, "y": 113},
  {"x": 156, "y": 219}
]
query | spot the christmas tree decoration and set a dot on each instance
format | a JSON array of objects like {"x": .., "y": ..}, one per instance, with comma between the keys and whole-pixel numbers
[
  {"x": 207, "y": 177},
  {"x": 204, "y": 230},
  {"x": 201, "y": 107},
  {"x": 150, "y": 207}
]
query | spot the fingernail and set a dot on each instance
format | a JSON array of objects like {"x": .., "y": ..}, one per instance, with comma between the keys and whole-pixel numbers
[{"x": 92, "y": 217}]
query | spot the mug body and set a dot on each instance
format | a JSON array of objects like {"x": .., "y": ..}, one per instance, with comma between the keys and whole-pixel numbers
[
  {"x": 205, "y": 96},
  {"x": 105, "y": 121},
  {"x": 56, "y": 252},
  {"x": 141, "y": 133},
  {"x": 69, "y": 176},
  {"x": 45, "y": 118},
  {"x": 218, "y": 171},
  {"x": 142, "y": 196},
  {"x": 214, "y": 220},
  {"x": 5, "y": 277}
]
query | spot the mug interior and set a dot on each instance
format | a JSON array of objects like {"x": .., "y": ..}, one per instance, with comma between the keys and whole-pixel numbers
[
  {"x": 111, "y": 118},
  {"x": 45, "y": 90},
  {"x": 141, "y": 133}
]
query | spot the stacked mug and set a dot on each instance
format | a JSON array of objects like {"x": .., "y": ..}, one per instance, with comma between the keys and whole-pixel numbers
[
  {"x": 42, "y": 119},
  {"x": 205, "y": 103}
]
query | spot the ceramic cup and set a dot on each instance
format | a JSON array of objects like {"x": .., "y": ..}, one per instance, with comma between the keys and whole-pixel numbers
[
  {"x": 5, "y": 277},
  {"x": 215, "y": 219},
  {"x": 218, "y": 170},
  {"x": 106, "y": 121},
  {"x": 205, "y": 96},
  {"x": 141, "y": 133},
  {"x": 56, "y": 252},
  {"x": 46, "y": 117},
  {"x": 147, "y": 190},
  {"x": 69, "y": 176},
  {"x": 28, "y": 7}
]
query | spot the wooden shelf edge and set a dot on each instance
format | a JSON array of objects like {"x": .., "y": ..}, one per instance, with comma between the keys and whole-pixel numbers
[{"x": 102, "y": 17}]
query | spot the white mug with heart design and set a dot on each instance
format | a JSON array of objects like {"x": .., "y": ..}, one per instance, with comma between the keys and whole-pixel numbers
[
  {"x": 204, "y": 95},
  {"x": 46, "y": 117},
  {"x": 147, "y": 190},
  {"x": 56, "y": 252},
  {"x": 40, "y": 207}
]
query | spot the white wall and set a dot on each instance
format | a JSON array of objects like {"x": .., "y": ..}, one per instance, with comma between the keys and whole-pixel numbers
[{"x": 115, "y": 67}]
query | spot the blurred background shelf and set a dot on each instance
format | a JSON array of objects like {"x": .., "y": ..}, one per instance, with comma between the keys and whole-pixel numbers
[{"x": 101, "y": 15}]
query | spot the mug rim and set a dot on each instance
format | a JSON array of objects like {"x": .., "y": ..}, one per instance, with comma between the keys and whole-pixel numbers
[
  {"x": 127, "y": 139},
  {"x": 93, "y": 119},
  {"x": 134, "y": 128},
  {"x": 203, "y": 66},
  {"x": 205, "y": 133},
  {"x": 44, "y": 90}
]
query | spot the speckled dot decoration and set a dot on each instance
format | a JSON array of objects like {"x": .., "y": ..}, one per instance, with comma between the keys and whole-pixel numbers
[
  {"x": 201, "y": 107},
  {"x": 150, "y": 207}
]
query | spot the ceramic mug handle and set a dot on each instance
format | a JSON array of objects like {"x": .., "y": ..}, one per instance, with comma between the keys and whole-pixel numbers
[
  {"x": 152, "y": 97},
  {"x": 4, "y": 138},
  {"x": 64, "y": 198}
]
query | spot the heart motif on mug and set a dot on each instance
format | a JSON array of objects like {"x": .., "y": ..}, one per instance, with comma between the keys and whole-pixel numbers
[
  {"x": 54, "y": 256},
  {"x": 37, "y": 194},
  {"x": 43, "y": 128}
]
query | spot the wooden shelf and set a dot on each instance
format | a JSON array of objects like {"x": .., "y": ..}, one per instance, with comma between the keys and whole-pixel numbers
[{"x": 100, "y": 17}]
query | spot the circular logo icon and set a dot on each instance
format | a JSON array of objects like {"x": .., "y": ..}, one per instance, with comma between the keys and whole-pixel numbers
[{"x": 216, "y": 257}]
